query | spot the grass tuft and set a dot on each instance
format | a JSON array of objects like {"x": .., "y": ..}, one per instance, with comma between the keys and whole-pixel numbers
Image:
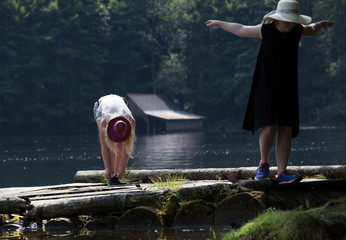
[{"x": 172, "y": 182}]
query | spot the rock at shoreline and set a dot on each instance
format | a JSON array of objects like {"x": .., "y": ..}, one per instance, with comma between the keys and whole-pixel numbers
[
  {"x": 98, "y": 223},
  {"x": 140, "y": 218},
  {"x": 238, "y": 209},
  {"x": 197, "y": 213}
]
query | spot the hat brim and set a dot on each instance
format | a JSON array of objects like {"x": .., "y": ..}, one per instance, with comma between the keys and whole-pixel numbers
[
  {"x": 302, "y": 19},
  {"x": 114, "y": 137}
]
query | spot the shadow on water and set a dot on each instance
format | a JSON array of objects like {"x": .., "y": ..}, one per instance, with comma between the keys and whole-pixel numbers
[{"x": 47, "y": 160}]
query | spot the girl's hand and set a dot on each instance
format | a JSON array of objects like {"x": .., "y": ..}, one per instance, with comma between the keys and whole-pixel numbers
[
  {"x": 213, "y": 23},
  {"x": 107, "y": 174},
  {"x": 121, "y": 173}
]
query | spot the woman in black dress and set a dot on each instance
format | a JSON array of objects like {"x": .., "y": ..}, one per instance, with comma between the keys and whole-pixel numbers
[{"x": 273, "y": 100}]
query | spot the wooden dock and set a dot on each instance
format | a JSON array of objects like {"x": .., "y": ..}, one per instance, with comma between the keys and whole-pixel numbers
[
  {"x": 98, "y": 199},
  {"x": 66, "y": 200}
]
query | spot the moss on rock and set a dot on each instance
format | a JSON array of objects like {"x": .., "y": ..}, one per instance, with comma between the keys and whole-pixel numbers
[
  {"x": 196, "y": 213},
  {"x": 140, "y": 218},
  {"x": 326, "y": 222},
  {"x": 106, "y": 222},
  {"x": 239, "y": 208}
]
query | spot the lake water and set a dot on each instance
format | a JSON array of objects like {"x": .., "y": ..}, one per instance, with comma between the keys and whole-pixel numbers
[{"x": 46, "y": 160}]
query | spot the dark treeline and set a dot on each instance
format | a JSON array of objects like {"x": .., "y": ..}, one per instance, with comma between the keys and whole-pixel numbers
[{"x": 59, "y": 56}]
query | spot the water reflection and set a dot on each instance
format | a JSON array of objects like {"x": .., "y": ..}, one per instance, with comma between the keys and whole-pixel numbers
[
  {"x": 32, "y": 161},
  {"x": 167, "y": 150},
  {"x": 195, "y": 150}
]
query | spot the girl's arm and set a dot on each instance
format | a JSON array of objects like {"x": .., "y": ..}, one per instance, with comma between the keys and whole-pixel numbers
[
  {"x": 104, "y": 149},
  {"x": 236, "y": 28},
  {"x": 313, "y": 28}
]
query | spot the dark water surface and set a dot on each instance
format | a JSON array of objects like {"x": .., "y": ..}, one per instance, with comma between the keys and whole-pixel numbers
[
  {"x": 162, "y": 234},
  {"x": 46, "y": 160}
]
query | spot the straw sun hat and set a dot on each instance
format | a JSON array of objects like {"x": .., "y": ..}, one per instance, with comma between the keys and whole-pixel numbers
[{"x": 288, "y": 11}]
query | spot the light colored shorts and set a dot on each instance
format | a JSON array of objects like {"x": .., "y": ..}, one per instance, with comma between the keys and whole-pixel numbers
[{"x": 97, "y": 113}]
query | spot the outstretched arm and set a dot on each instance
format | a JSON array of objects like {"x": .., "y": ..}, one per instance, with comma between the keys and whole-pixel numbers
[
  {"x": 313, "y": 28},
  {"x": 238, "y": 29}
]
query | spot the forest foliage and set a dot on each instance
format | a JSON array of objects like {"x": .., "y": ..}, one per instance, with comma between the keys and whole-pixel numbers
[{"x": 59, "y": 56}]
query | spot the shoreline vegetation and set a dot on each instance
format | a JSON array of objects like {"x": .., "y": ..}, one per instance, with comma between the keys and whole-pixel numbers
[
  {"x": 325, "y": 222},
  {"x": 188, "y": 199},
  {"x": 62, "y": 55}
]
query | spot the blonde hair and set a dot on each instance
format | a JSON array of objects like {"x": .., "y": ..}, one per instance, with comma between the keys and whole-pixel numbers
[{"x": 129, "y": 142}]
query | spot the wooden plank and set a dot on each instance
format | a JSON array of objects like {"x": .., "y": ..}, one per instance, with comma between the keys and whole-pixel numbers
[
  {"x": 100, "y": 191},
  {"x": 89, "y": 205},
  {"x": 50, "y": 192},
  {"x": 242, "y": 173},
  {"x": 116, "y": 199},
  {"x": 84, "y": 194},
  {"x": 27, "y": 190}
]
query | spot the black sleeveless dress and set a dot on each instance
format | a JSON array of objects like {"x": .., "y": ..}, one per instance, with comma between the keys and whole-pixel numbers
[{"x": 273, "y": 98}]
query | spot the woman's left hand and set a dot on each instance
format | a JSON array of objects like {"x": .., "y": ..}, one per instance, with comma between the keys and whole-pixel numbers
[{"x": 326, "y": 24}]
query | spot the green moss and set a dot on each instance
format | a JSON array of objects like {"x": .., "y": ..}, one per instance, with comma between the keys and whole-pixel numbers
[
  {"x": 97, "y": 223},
  {"x": 129, "y": 177},
  {"x": 319, "y": 176},
  {"x": 4, "y": 218},
  {"x": 327, "y": 222},
  {"x": 196, "y": 205},
  {"x": 168, "y": 206},
  {"x": 225, "y": 191},
  {"x": 170, "y": 203},
  {"x": 104, "y": 180},
  {"x": 283, "y": 199},
  {"x": 87, "y": 205}
]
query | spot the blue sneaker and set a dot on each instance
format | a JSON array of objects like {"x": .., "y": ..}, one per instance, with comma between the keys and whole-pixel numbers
[
  {"x": 263, "y": 170},
  {"x": 284, "y": 177}
]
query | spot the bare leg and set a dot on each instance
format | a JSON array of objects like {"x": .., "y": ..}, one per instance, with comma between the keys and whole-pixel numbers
[
  {"x": 266, "y": 141},
  {"x": 122, "y": 169},
  {"x": 111, "y": 157},
  {"x": 118, "y": 157},
  {"x": 283, "y": 147},
  {"x": 107, "y": 155}
]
